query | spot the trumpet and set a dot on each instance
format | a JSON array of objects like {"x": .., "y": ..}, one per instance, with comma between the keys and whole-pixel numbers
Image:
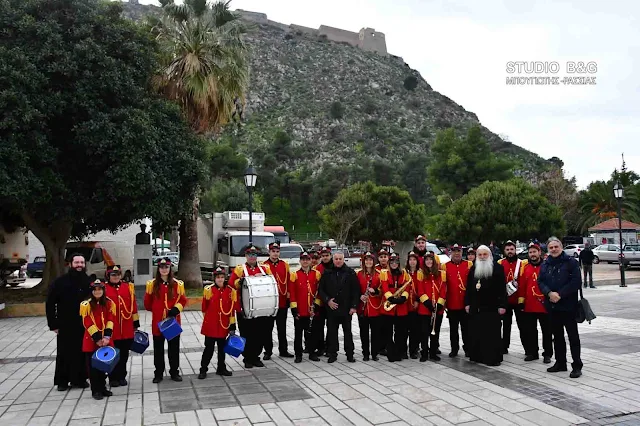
[
  {"x": 388, "y": 305},
  {"x": 434, "y": 314}
]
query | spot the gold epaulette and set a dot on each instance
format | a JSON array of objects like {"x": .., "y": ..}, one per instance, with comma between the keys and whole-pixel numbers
[
  {"x": 207, "y": 293},
  {"x": 150, "y": 286},
  {"x": 469, "y": 264},
  {"x": 420, "y": 275},
  {"x": 358, "y": 270},
  {"x": 318, "y": 275},
  {"x": 180, "y": 287},
  {"x": 443, "y": 275},
  {"x": 239, "y": 271},
  {"x": 293, "y": 276},
  {"x": 383, "y": 275},
  {"x": 267, "y": 269},
  {"x": 112, "y": 306},
  {"x": 85, "y": 308},
  {"x": 132, "y": 291},
  {"x": 234, "y": 295},
  {"x": 500, "y": 261},
  {"x": 407, "y": 276}
]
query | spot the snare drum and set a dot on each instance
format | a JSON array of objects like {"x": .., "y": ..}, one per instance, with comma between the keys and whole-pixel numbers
[{"x": 259, "y": 296}]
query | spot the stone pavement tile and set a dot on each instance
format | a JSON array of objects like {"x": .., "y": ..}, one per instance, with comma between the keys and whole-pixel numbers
[
  {"x": 239, "y": 422},
  {"x": 439, "y": 421},
  {"x": 296, "y": 410},
  {"x": 256, "y": 413},
  {"x": 411, "y": 406},
  {"x": 180, "y": 405},
  {"x": 463, "y": 385},
  {"x": 333, "y": 401},
  {"x": 255, "y": 398},
  {"x": 342, "y": 392},
  {"x": 222, "y": 401},
  {"x": 205, "y": 417},
  {"x": 371, "y": 393},
  {"x": 187, "y": 418},
  {"x": 85, "y": 422},
  {"x": 406, "y": 414},
  {"x": 413, "y": 393},
  {"x": 278, "y": 416},
  {"x": 371, "y": 411},
  {"x": 501, "y": 401},
  {"x": 476, "y": 423},
  {"x": 543, "y": 419},
  {"x": 241, "y": 389},
  {"x": 488, "y": 416},
  {"x": 326, "y": 380},
  {"x": 564, "y": 415},
  {"x": 452, "y": 399},
  {"x": 333, "y": 417},
  {"x": 176, "y": 395},
  {"x": 22, "y": 407},
  {"x": 16, "y": 418},
  {"x": 214, "y": 390},
  {"x": 115, "y": 412},
  {"x": 6, "y": 402},
  {"x": 151, "y": 418},
  {"x": 265, "y": 424},
  {"x": 40, "y": 421},
  {"x": 515, "y": 418},
  {"x": 448, "y": 411},
  {"x": 133, "y": 417},
  {"x": 64, "y": 413},
  {"x": 354, "y": 417},
  {"x": 309, "y": 422},
  {"x": 316, "y": 401},
  {"x": 229, "y": 413}
]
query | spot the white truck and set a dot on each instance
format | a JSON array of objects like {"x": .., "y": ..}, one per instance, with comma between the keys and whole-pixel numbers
[
  {"x": 223, "y": 237},
  {"x": 14, "y": 255}
]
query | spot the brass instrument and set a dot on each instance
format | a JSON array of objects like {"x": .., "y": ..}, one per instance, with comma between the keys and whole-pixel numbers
[
  {"x": 434, "y": 312},
  {"x": 388, "y": 305}
]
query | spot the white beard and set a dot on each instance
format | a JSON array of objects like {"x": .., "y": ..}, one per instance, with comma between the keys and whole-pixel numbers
[{"x": 484, "y": 269}]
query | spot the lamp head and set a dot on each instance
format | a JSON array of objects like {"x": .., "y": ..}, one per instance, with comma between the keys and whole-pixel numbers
[{"x": 250, "y": 177}]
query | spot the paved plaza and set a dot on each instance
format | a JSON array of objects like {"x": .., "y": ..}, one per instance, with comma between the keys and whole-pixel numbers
[{"x": 380, "y": 393}]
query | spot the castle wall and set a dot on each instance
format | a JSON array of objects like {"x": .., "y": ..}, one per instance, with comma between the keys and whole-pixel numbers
[
  {"x": 338, "y": 35},
  {"x": 260, "y": 18},
  {"x": 372, "y": 41},
  {"x": 306, "y": 30}
]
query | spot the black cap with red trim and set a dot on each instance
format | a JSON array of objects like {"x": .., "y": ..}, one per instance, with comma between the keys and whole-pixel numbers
[
  {"x": 413, "y": 254},
  {"x": 421, "y": 237},
  {"x": 456, "y": 247},
  {"x": 219, "y": 271},
  {"x": 114, "y": 269},
  {"x": 368, "y": 255},
  {"x": 383, "y": 252},
  {"x": 97, "y": 284},
  {"x": 325, "y": 250},
  {"x": 535, "y": 245},
  {"x": 305, "y": 255},
  {"x": 509, "y": 243},
  {"x": 274, "y": 246},
  {"x": 251, "y": 250}
]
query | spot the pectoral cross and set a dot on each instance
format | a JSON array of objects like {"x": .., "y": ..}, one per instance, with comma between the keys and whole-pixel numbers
[{"x": 478, "y": 285}]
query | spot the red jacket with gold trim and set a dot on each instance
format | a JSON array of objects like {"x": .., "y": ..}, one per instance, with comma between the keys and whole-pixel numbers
[
  {"x": 98, "y": 323},
  {"x": 303, "y": 290},
  {"x": 529, "y": 293},
  {"x": 390, "y": 284},
  {"x": 510, "y": 273},
  {"x": 433, "y": 288},
  {"x": 280, "y": 270},
  {"x": 238, "y": 274},
  {"x": 126, "y": 319},
  {"x": 219, "y": 308},
  {"x": 416, "y": 277},
  {"x": 374, "y": 303},
  {"x": 160, "y": 302},
  {"x": 456, "y": 279}
]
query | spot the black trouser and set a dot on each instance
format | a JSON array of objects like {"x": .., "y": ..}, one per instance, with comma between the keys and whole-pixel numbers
[
  {"x": 256, "y": 331},
  {"x": 317, "y": 332},
  {"x": 507, "y": 320},
  {"x": 559, "y": 322},
  {"x": 414, "y": 332},
  {"x": 530, "y": 333},
  {"x": 301, "y": 326},
  {"x": 120, "y": 371},
  {"x": 280, "y": 321},
  {"x": 373, "y": 324},
  {"x": 333, "y": 322},
  {"x": 587, "y": 270},
  {"x": 395, "y": 331},
  {"x": 97, "y": 378},
  {"x": 426, "y": 326},
  {"x": 209, "y": 346},
  {"x": 70, "y": 362},
  {"x": 173, "y": 349},
  {"x": 461, "y": 318}
]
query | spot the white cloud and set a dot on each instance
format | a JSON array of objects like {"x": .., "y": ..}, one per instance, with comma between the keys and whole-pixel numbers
[{"x": 461, "y": 48}]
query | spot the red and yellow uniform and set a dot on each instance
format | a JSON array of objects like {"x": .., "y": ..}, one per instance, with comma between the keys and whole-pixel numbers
[
  {"x": 374, "y": 303},
  {"x": 237, "y": 275},
  {"x": 98, "y": 323},
  {"x": 164, "y": 299},
  {"x": 219, "y": 307},
  {"x": 528, "y": 292},
  {"x": 303, "y": 290},
  {"x": 321, "y": 267},
  {"x": 433, "y": 288},
  {"x": 510, "y": 273},
  {"x": 280, "y": 270},
  {"x": 416, "y": 277},
  {"x": 126, "y": 318},
  {"x": 390, "y": 284},
  {"x": 456, "y": 279}
]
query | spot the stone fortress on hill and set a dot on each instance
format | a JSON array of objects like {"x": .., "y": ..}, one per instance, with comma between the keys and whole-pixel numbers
[{"x": 367, "y": 39}]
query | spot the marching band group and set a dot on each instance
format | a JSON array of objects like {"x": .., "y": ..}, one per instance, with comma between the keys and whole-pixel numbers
[{"x": 399, "y": 309}]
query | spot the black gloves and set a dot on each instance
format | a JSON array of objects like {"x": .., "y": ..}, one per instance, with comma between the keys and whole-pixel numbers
[
  {"x": 232, "y": 328},
  {"x": 393, "y": 300},
  {"x": 136, "y": 324},
  {"x": 438, "y": 307},
  {"x": 294, "y": 312},
  {"x": 108, "y": 332},
  {"x": 401, "y": 300},
  {"x": 427, "y": 304},
  {"x": 521, "y": 306},
  {"x": 173, "y": 312},
  {"x": 97, "y": 336}
]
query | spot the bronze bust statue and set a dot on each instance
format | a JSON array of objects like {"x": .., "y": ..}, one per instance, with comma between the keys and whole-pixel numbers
[{"x": 143, "y": 237}]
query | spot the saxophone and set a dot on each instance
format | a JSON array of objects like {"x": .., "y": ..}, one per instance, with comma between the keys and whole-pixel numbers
[{"x": 388, "y": 305}]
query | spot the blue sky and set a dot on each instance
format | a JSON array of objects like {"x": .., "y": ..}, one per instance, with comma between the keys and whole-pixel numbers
[{"x": 461, "y": 48}]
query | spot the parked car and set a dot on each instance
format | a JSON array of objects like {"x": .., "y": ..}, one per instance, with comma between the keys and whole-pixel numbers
[
  {"x": 174, "y": 262},
  {"x": 606, "y": 253},
  {"x": 36, "y": 268},
  {"x": 290, "y": 253},
  {"x": 574, "y": 249}
]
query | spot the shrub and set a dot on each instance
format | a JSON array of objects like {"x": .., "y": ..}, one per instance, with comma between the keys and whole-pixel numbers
[
  {"x": 336, "y": 110},
  {"x": 411, "y": 82}
]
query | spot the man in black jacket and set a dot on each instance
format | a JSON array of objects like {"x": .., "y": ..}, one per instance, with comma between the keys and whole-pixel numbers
[
  {"x": 586, "y": 262},
  {"x": 340, "y": 291},
  {"x": 63, "y": 318}
]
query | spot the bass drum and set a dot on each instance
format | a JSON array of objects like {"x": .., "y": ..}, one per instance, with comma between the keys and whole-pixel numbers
[{"x": 259, "y": 296}]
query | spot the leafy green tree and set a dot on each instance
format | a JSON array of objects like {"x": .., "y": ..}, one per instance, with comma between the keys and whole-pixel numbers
[
  {"x": 205, "y": 70},
  {"x": 410, "y": 83},
  {"x": 500, "y": 211},
  {"x": 225, "y": 162},
  {"x": 86, "y": 146},
  {"x": 365, "y": 211},
  {"x": 227, "y": 194},
  {"x": 460, "y": 164},
  {"x": 563, "y": 193}
]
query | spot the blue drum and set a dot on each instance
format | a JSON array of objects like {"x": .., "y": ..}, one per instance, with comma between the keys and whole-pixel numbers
[
  {"x": 235, "y": 345},
  {"x": 169, "y": 328},
  {"x": 140, "y": 342},
  {"x": 105, "y": 359}
]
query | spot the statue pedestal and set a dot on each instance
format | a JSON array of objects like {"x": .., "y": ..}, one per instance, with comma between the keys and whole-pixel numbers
[{"x": 142, "y": 270}]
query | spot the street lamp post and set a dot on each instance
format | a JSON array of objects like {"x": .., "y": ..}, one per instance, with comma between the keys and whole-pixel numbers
[
  {"x": 250, "y": 178},
  {"x": 618, "y": 192}
]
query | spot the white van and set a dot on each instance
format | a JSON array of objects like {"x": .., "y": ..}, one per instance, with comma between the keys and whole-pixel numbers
[
  {"x": 290, "y": 253},
  {"x": 101, "y": 254}
]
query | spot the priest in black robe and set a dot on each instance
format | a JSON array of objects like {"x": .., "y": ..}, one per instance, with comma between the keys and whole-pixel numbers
[
  {"x": 485, "y": 302},
  {"x": 63, "y": 318}
]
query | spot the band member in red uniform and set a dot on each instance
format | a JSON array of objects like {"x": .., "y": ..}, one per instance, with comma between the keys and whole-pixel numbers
[
  {"x": 432, "y": 293},
  {"x": 219, "y": 307},
  {"x": 456, "y": 280},
  {"x": 97, "y": 314},
  {"x": 320, "y": 311},
  {"x": 369, "y": 309},
  {"x": 315, "y": 259},
  {"x": 165, "y": 297},
  {"x": 471, "y": 255},
  {"x": 414, "y": 270},
  {"x": 326, "y": 262},
  {"x": 383, "y": 260},
  {"x": 531, "y": 301},
  {"x": 280, "y": 270},
  {"x": 303, "y": 291},
  {"x": 420, "y": 249},
  {"x": 125, "y": 322},
  {"x": 395, "y": 319},
  {"x": 512, "y": 269},
  {"x": 255, "y": 330}
]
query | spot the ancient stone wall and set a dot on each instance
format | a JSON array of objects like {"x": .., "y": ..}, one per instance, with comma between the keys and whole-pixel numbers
[
  {"x": 338, "y": 35},
  {"x": 372, "y": 41}
]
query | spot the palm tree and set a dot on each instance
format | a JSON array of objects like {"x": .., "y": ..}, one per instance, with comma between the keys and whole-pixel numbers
[
  {"x": 205, "y": 70},
  {"x": 597, "y": 204}
]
